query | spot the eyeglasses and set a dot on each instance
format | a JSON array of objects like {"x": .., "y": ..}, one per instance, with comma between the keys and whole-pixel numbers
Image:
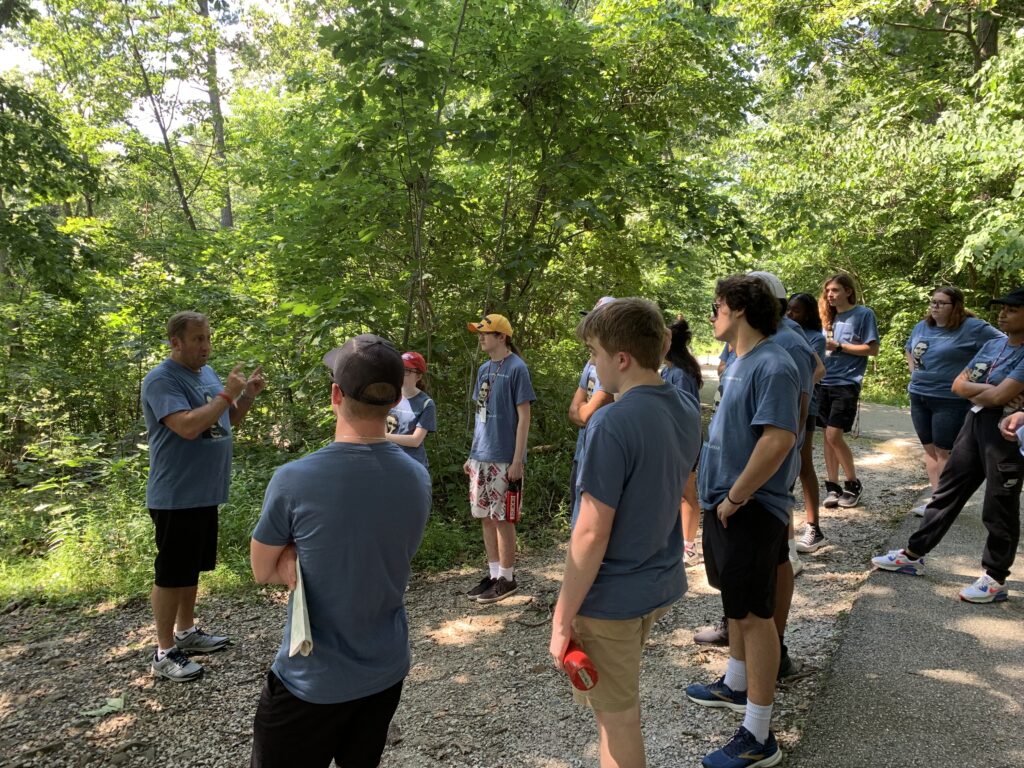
[
  {"x": 940, "y": 303},
  {"x": 715, "y": 305}
]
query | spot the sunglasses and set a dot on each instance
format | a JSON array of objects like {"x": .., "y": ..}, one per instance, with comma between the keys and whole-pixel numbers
[{"x": 715, "y": 306}]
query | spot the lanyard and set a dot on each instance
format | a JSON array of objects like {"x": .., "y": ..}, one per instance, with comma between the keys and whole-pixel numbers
[
  {"x": 494, "y": 377},
  {"x": 1000, "y": 360}
]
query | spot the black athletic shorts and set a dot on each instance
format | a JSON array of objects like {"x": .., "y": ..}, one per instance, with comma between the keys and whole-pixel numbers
[
  {"x": 186, "y": 543},
  {"x": 837, "y": 406},
  {"x": 291, "y": 732},
  {"x": 742, "y": 560}
]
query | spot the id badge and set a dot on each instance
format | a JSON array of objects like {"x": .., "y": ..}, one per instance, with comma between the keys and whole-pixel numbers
[
  {"x": 976, "y": 409},
  {"x": 481, "y": 415}
]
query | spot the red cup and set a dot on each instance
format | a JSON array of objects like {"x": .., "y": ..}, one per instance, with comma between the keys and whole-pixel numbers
[{"x": 578, "y": 666}]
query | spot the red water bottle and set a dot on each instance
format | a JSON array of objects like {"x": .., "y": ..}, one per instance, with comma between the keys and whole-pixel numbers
[
  {"x": 513, "y": 501},
  {"x": 578, "y": 666}
]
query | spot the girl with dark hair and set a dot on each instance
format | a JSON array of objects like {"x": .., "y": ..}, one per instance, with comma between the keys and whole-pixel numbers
[
  {"x": 682, "y": 371},
  {"x": 803, "y": 310},
  {"x": 939, "y": 347}
]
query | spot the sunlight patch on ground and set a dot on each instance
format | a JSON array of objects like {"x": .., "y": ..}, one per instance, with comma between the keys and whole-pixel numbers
[
  {"x": 465, "y": 631},
  {"x": 990, "y": 632},
  {"x": 960, "y": 677}
]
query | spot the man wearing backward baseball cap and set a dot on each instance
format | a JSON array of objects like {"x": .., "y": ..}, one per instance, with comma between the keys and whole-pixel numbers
[
  {"x": 353, "y": 515},
  {"x": 503, "y": 394}
]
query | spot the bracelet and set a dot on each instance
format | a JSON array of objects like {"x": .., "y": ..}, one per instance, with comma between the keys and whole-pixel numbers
[
  {"x": 226, "y": 396},
  {"x": 729, "y": 499}
]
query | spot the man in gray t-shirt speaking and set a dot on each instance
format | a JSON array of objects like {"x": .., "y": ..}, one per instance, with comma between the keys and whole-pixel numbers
[
  {"x": 189, "y": 416},
  {"x": 353, "y": 515}
]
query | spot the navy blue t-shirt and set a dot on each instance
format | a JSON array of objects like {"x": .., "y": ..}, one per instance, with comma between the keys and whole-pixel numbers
[
  {"x": 939, "y": 355},
  {"x": 590, "y": 384},
  {"x": 761, "y": 388},
  {"x": 854, "y": 326},
  {"x": 184, "y": 474},
  {"x": 410, "y": 413},
  {"x": 996, "y": 361},
  {"x": 636, "y": 458},
  {"x": 356, "y": 514},
  {"x": 500, "y": 387}
]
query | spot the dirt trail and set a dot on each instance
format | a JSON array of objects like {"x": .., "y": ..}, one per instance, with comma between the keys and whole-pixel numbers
[{"x": 481, "y": 691}]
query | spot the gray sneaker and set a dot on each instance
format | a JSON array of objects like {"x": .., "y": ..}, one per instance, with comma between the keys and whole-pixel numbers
[
  {"x": 176, "y": 666},
  {"x": 200, "y": 642}
]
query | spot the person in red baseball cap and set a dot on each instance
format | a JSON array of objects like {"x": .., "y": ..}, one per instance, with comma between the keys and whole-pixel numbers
[{"x": 415, "y": 416}]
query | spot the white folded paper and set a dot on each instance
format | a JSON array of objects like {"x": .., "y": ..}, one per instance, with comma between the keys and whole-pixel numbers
[{"x": 302, "y": 638}]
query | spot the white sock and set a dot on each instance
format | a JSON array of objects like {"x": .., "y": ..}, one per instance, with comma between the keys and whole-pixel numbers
[
  {"x": 184, "y": 633},
  {"x": 736, "y": 674},
  {"x": 161, "y": 653},
  {"x": 494, "y": 568},
  {"x": 757, "y": 719},
  {"x": 506, "y": 573}
]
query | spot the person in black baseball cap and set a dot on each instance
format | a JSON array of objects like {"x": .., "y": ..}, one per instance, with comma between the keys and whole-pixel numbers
[
  {"x": 367, "y": 368},
  {"x": 1014, "y": 298},
  {"x": 350, "y": 516}
]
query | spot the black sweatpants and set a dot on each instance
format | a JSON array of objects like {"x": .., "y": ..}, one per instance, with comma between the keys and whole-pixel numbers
[{"x": 980, "y": 455}]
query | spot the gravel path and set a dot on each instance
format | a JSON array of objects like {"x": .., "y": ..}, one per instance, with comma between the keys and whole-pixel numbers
[{"x": 481, "y": 691}]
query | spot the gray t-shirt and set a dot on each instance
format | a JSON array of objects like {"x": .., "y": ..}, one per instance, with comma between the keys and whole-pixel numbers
[
  {"x": 184, "y": 474},
  {"x": 590, "y": 384},
  {"x": 759, "y": 389},
  {"x": 854, "y": 326},
  {"x": 939, "y": 355},
  {"x": 410, "y": 413},
  {"x": 500, "y": 387},
  {"x": 681, "y": 380},
  {"x": 636, "y": 457},
  {"x": 356, "y": 514}
]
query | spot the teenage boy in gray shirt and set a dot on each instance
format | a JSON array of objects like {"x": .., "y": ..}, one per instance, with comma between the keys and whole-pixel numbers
[
  {"x": 353, "y": 514},
  {"x": 746, "y": 470},
  {"x": 624, "y": 566}
]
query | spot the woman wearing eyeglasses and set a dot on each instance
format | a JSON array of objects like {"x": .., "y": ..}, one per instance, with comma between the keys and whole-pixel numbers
[
  {"x": 939, "y": 348},
  {"x": 415, "y": 416}
]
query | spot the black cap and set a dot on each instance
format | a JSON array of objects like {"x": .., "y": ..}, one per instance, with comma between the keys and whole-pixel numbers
[
  {"x": 1014, "y": 298},
  {"x": 365, "y": 360}
]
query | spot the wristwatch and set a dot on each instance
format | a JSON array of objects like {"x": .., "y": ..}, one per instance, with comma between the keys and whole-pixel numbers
[{"x": 839, "y": 347}]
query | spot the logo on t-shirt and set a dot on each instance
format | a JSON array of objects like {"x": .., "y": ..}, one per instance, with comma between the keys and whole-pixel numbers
[
  {"x": 481, "y": 398},
  {"x": 590, "y": 387},
  {"x": 978, "y": 371},
  {"x": 392, "y": 423},
  {"x": 216, "y": 431},
  {"x": 917, "y": 354}
]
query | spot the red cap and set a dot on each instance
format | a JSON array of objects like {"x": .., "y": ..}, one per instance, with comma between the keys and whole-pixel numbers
[{"x": 414, "y": 361}]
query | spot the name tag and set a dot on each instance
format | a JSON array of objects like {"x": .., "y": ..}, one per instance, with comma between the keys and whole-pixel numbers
[
  {"x": 481, "y": 415},
  {"x": 976, "y": 409}
]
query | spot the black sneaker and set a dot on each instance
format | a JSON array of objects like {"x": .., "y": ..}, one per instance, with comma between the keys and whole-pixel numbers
[
  {"x": 851, "y": 494},
  {"x": 787, "y": 666},
  {"x": 832, "y": 493},
  {"x": 716, "y": 635},
  {"x": 810, "y": 540},
  {"x": 485, "y": 583},
  {"x": 501, "y": 589}
]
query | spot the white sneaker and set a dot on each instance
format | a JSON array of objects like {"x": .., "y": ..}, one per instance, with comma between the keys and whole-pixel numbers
[
  {"x": 985, "y": 590},
  {"x": 897, "y": 560},
  {"x": 796, "y": 562},
  {"x": 918, "y": 511}
]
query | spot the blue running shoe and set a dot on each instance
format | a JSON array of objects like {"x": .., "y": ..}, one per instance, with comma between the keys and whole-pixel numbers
[
  {"x": 744, "y": 751},
  {"x": 897, "y": 560},
  {"x": 718, "y": 694}
]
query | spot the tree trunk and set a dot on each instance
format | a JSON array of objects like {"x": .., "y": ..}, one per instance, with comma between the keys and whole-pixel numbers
[
  {"x": 986, "y": 34},
  {"x": 158, "y": 116},
  {"x": 227, "y": 218}
]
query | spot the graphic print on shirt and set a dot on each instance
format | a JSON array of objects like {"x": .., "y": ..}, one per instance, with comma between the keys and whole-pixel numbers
[
  {"x": 917, "y": 354},
  {"x": 392, "y": 423},
  {"x": 216, "y": 431},
  {"x": 978, "y": 371}
]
